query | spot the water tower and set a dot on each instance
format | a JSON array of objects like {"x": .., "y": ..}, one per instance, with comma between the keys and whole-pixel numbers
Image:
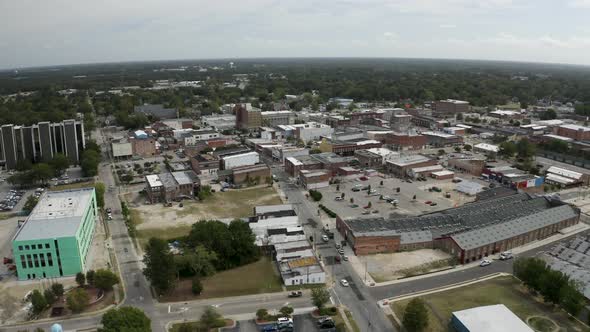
[{"x": 56, "y": 328}]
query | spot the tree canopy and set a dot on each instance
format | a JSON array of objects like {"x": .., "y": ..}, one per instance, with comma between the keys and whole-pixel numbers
[
  {"x": 125, "y": 319},
  {"x": 160, "y": 268}
]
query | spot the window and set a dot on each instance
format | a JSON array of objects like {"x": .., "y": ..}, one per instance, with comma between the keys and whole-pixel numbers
[
  {"x": 40, "y": 246},
  {"x": 46, "y": 245},
  {"x": 20, "y": 247},
  {"x": 29, "y": 261},
  {"x": 34, "y": 246},
  {"x": 49, "y": 259},
  {"x": 36, "y": 260},
  {"x": 42, "y": 258},
  {"x": 23, "y": 261},
  {"x": 27, "y": 248}
]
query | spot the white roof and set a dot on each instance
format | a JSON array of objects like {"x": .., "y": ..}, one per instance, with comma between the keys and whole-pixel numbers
[
  {"x": 369, "y": 141},
  {"x": 550, "y": 122},
  {"x": 464, "y": 126},
  {"x": 504, "y": 112},
  {"x": 491, "y": 318},
  {"x": 443, "y": 173},
  {"x": 575, "y": 127},
  {"x": 427, "y": 168},
  {"x": 240, "y": 155},
  {"x": 559, "y": 179},
  {"x": 561, "y": 138},
  {"x": 383, "y": 152},
  {"x": 153, "y": 180},
  {"x": 454, "y": 101},
  {"x": 409, "y": 160},
  {"x": 564, "y": 172},
  {"x": 487, "y": 147},
  {"x": 294, "y": 161},
  {"x": 437, "y": 133}
]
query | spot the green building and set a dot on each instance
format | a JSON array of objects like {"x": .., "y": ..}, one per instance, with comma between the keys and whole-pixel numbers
[{"x": 55, "y": 238}]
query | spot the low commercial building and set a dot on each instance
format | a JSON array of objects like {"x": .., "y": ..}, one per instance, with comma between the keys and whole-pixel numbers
[
  {"x": 406, "y": 141},
  {"x": 205, "y": 165},
  {"x": 143, "y": 144},
  {"x": 565, "y": 178},
  {"x": 469, "y": 232},
  {"x": 457, "y": 131},
  {"x": 578, "y": 133},
  {"x": 468, "y": 164},
  {"x": 259, "y": 173},
  {"x": 121, "y": 148},
  {"x": 369, "y": 159},
  {"x": 328, "y": 161},
  {"x": 348, "y": 147},
  {"x": 314, "y": 179},
  {"x": 440, "y": 139},
  {"x": 219, "y": 121},
  {"x": 275, "y": 118},
  {"x": 443, "y": 175},
  {"x": 237, "y": 160},
  {"x": 302, "y": 271},
  {"x": 56, "y": 237},
  {"x": 281, "y": 153},
  {"x": 166, "y": 187},
  {"x": 424, "y": 171},
  {"x": 485, "y": 148},
  {"x": 402, "y": 165},
  {"x": 491, "y": 318},
  {"x": 450, "y": 106}
]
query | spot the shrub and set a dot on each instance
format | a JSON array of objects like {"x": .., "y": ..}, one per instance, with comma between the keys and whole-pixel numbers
[
  {"x": 197, "y": 286},
  {"x": 315, "y": 195}
]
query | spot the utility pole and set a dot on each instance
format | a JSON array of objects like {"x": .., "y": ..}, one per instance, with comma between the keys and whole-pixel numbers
[{"x": 365, "y": 270}]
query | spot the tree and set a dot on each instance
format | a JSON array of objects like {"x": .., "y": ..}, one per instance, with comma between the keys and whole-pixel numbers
[
  {"x": 99, "y": 190},
  {"x": 549, "y": 114},
  {"x": 42, "y": 172},
  {"x": 457, "y": 149},
  {"x": 459, "y": 116},
  {"x": 38, "y": 302},
  {"x": 507, "y": 149},
  {"x": 337, "y": 187},
  {"x": 125, "y": 319},
  {"x": 467, "y": 147},
  {"x": 415, "y": 316},
  {"x": 57, "y": 289},
  {"x": 261, "y": 314},
  {"x": 49, "y": 296},
  {"x": 525, "y": 148},
  {"x": 90, "y": 160},
  {"x": 59, "y": 163},
  {"x": 319, "y": 297},
  {"x": 196, "y": 286},
  {"x": 90, "y": 277},
  {"x": 78, "y": 300},
  {"x": 570, "y": 298},
  {"x": 351, "y": 200},
  {"x": 204, "y": 192},
  {"x": 550, "y": 285},
  {"x": 441, "y": 152},
  {"x": 211, "y": 319},
  {"x": 30, "y": 203},
  {"x": 342, "y": 195},
  {"x": 286, "y": 311},
  {"x": 105, "y": 279},
  {"x": 80, "y": 279},
  {"x": 159, "y": 265}
]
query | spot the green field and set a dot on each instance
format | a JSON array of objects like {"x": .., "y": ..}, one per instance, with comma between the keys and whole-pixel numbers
[
  {"x": 502, "y": 290},
  {"x": 169, "y": 233},
  {"x": 256, "y": 278}
]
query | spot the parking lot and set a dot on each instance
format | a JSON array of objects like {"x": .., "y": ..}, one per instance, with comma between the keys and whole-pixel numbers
[{"x": 387, "y": 187}]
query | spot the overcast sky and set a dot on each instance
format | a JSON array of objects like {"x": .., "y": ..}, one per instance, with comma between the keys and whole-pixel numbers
[{"x": 38, "y": 32}]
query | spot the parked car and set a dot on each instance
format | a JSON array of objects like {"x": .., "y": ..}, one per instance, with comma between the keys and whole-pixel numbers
[
  {"x": 485, "y": 262},
  {"x": 506, "y": 255},
  {"x": 365, "y": 212},
  {"x": 339, "y": 198},
  {"x": 109, "y": 210},
  {"x": 270, "y": 328},
  {"x": 428, "y": 202},
  {"x": 344, "y": 283},
  {"x": 433, "y": 204},
  {"x": 325, "y": 238},
  {"x": 337, "y": 245},
  {"x": 295, "y": 294},
  {"x": 356, "y": 189},
  {"x": 341, "y": 251},
  {"x": 345, "y": 258},
  {"x": 363, "y": 178},
  {"x": 337, "y": 259}
]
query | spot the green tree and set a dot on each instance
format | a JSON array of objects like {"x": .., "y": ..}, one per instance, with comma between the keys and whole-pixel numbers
[
  {"x": 159, "y": 265},
  {"x": 90, "y": 160},
  {"x": 525, "y": 148},
  {"x": 550, "y": 284},
  {"x": 99, "y": 189},
  {"x": 57, "y": 289},
  {"x": 196, "y": 286},
  {"x": 59, "y": 163},
  {"x": 571, "y": 299},
  {"x": 211, "y": 319},
  {"x": 459, "y": 116},
  {"x": 441, "y": 152},
  {"x": 467, "y": 147},
  {"x": 49, "y": 296},
  {"x": 415, "y": 316},
  {"x": 78, "y": 300},
  {"x": 507, "y": 149},
  {"x": 204, "y": 192},
  {"x": 80, "y": 279},
  {"x": 38, "y": 302},
  {"x": 286, "y": 311},
  {"x": 457, "y": 149},
  {"x": 549, "y": 114},
  {"x": 319, "y": 297},
  {"x": 42, "y": 172},
  {"x": 90, "y": 277},
  {"x": 105, "y": 279},
  {"x": 125, "y": 319},
  {"x": 261, "y": 314},
  {"x": 30, "y": 203}
]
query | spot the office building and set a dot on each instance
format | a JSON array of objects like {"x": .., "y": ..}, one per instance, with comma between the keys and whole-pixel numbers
[
  {"x": 247, "y": 117},
  {"x": 451, "y": 106},
  {"x": 40, "y": 142},
  {"x": 55, "y": 238}
]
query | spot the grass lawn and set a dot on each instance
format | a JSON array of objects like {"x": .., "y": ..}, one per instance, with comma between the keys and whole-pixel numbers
[
  {"x": 305, "y": 286},
  {"x": 258, "y": 277},
  {"x": 144, "y": 235},
  {"x": 195, "y": 324},
  {"x": 353, "y": 324},
  {"x": 237, "y": 203},
  {"x": 502, "y": 290}
]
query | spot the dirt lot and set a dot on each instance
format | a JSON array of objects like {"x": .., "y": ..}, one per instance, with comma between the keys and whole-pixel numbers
[
  {"x": 384, "y": 267},
  {"x": 98, "y": 256},
  {"x": 221, "y": 205}
]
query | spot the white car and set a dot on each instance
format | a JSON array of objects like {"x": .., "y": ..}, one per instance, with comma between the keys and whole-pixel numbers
[
  {"x": 339, "y": 198},
  {"x": 485, "y": 262},
  {"x": 506, "y": 255},
  {"x": 344, "y": 283},
  {"x": 325, "y": 238}
]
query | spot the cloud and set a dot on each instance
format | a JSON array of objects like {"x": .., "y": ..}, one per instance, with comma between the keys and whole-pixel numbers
[
  {"x": 447, "y": 26},
  {"x": 579, "y": 4},
  {"x": 390, "y": 35}
]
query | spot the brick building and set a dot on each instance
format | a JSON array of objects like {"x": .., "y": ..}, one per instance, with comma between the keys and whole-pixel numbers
[
  {"x": 402, "y": 165},
  {"x": 451, "y": 106},
  {"x": 578, "y": 133},
  {"x": 441, "y": 139},
  {"x": 406, "y": 141},
  {"x": 142, "y": 144},
  {"x": 348, "y": 147},
  {"x": 314, "y": 179},
  {"x": 205, "y": 164},
  {"x": 166, "y": 187},
  {"x": 247, "y": 117},
  {"x": 259, "y": 173},
  {"x": 473, "y": 166},
  {"x": 369, "y": 159},
  {"x": 328, "y": 161}
]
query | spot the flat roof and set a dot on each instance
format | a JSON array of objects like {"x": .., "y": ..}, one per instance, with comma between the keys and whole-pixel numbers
[
  {"x": 409, "y": 160},
  {"x": 264, "y": 209},
  {"x": 487, "y": 147},
  {"x": 443, "y": 173},
  {"x": 558, "y": 137},
  {"x": 57, "y": 214},
  {"x": 185, "y": 177},
  {"x": 491, "y": 318},
  {"x": 575, "y": 127},
  {"x": 564, "y": 172},
  {"x": 438, "y": 134},
  {"x": 427, "y": 168},
  {"x": 153, "y": 180}
]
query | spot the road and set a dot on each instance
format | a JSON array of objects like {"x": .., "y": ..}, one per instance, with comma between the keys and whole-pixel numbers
[{"x": 357, "y": 298}]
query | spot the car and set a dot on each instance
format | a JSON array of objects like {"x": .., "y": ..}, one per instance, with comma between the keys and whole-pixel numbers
[
  {"x": 394, "y": 201},
  {"x": 339, "y": 198},
  {"x": 341, "y": 251},
  {"x": 428, "y": 202},
  {"x": 337, "y": 259},
  {"x": 485, "y": 262},
  {"x": 326, "y": 323},
  {"x": 387, "y": 198},
  {"x": 356, "y": 189},
  {"x": 345, "y": 258},
  {"x": 506, "y": 255},
  {"x": 375, "y": 211},
  {"x": 366, "y": 212},
  {"x": 338, "y": 246},
  {"x": 109, "y": 210},
  {"x": 270, "y": 328},
  {"x": 344, "y": 283},
  {"x": 325, "y": 238},
  {"x": 354, "y": 205},
  {"x": 409, "y": 181},
  {"x": 295, "y": 294},
  {"x": 363, "y": 178},
  {"x": 284, "y": 321},
  {"x": 109, "y": 217},
  {"x": 433, "y": 204}
]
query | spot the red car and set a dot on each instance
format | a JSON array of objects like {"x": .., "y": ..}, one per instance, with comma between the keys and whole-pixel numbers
[
  {"x": 363, "y": 178},
  {"x": 428, "y": 202}
]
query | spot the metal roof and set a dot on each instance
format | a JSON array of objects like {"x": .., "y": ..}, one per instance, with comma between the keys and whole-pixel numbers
[
  {"x": 502, "y": 231},
  {"x": 491, "y": 318}
]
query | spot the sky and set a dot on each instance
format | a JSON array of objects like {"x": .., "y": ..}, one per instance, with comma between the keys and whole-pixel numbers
[{"x": 59, "y": 32}]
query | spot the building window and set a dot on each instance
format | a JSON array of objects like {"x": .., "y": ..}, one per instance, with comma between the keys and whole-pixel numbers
[
  {"x": 36, "y": 259},
  {"x": 27, "y": 247},
  {"x": 42, "y": 258},
  {"x": 49, "y": 259},
  {"x": 40, "y": 246},
  {"x": 29, "y": 261},
  {"x": 23, "y": 261},
  {"x": 46, "y": 245},
  {"x": 20, "y": 248},
  {"x": 34, "y": 247}
]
